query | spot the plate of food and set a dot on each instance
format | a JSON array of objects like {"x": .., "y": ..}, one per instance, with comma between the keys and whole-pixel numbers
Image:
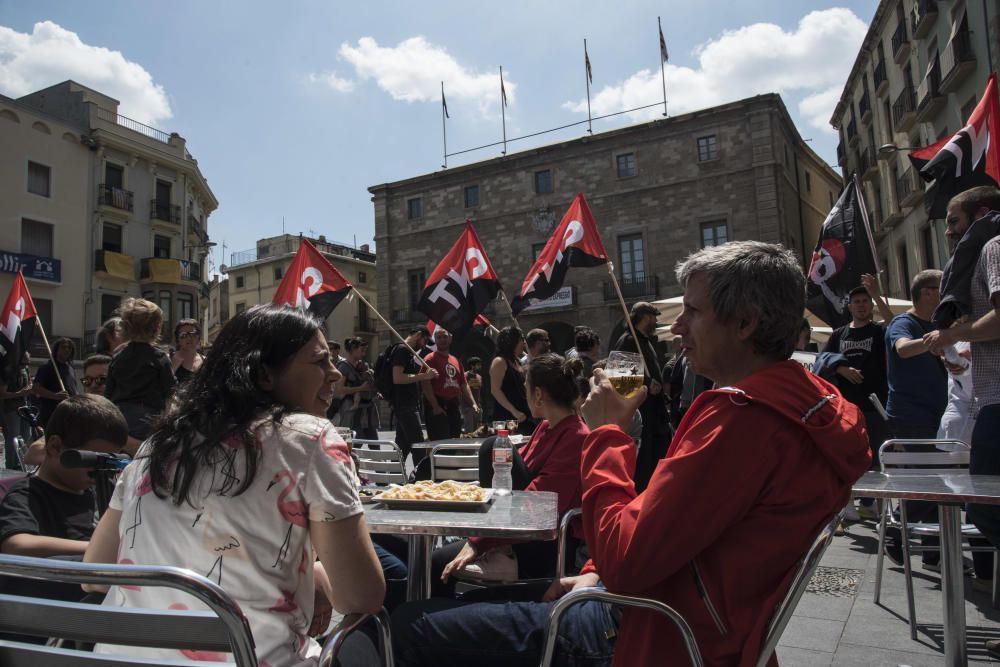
[{"x": 427, "y": 495}]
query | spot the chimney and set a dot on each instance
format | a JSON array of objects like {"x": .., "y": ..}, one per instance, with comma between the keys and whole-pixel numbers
[{"x": 364, "y": 247}]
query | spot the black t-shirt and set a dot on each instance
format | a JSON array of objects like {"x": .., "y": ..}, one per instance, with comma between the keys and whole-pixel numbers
[
  {"x": 864, "y": 348},
  {"x": 35, "y": 507},
  {"x": 405, "y": 394},
  {"x": 46, "y": 377}
]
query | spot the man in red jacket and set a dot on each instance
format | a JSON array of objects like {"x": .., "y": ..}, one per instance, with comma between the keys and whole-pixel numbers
[{"x": 755, "y": 470}]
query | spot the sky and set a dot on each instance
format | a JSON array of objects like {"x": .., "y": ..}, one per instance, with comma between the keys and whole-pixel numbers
[{"x": 294, "y": 109}]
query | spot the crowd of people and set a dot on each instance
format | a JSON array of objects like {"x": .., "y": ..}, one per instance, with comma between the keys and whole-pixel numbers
[{"x": 701, "y": 490}]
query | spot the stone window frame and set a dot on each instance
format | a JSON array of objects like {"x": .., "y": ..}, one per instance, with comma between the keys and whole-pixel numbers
[
  {"x": 710, "y": 146},
  {"x": 714, "y": 226},
  {"x": 240, "y": 281},
  {"x": 39, "y": 169},
  {"x": 414, "y": 208},
  {"x": 618, "y": 164},
  {"x": 474, "y": 187},
  {"x": 552, "y": 181}
]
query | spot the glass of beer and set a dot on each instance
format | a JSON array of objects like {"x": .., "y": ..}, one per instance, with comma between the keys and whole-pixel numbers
[
  {"x": 625, "y": 371},
  {"x": 347, "y": 435}
]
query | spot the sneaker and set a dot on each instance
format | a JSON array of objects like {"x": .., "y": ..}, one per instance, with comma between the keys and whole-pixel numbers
[
  {"x": 993, "y": 647},
  {"x": 868, "y": 513},
  {"x": 494, "y": 565},
  {"x": 851, "y": 514}
]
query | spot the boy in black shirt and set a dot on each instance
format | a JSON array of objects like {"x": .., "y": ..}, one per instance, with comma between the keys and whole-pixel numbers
[{"x": 53, "y": 512}]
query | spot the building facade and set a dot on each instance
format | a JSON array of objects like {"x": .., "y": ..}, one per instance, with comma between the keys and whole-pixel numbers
[
  {"x": 658, "y": 191},
  {"x": 919, "y": 74},
  {"x": 217, "y": 312},
  {"x": 253, "y": 277},
  {"x": 94, "y": 207}
]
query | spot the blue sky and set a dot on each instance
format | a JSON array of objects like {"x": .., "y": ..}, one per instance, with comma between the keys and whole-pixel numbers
[{"x": 294, "y": 109}]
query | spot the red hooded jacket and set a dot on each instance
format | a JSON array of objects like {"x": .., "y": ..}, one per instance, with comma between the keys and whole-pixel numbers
[{"x": 750, "y": 478}]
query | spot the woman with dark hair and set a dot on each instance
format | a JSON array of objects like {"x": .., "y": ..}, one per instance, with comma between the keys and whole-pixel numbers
[
  {"x": 186, "y": 361},
  {"x": 507, "y": 380},
  {"x": 47, "y": 386},
  {"x": 549, "y": 462},
  {"x": 249, "y": 482},
  {"x": 110, "y": 337},
  {"x": 357, "y": 409}
]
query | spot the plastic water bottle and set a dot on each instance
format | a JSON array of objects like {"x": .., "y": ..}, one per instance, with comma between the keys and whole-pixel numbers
[
  {"x": 3, "y": 450},
  {"x": 503, "y": 461}
]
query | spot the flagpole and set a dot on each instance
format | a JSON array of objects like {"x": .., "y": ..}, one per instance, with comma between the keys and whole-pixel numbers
[
  {"x": 45, "y": 339},
  {"x": 621, "y": 299},
  {"x": 868, "y": 226},
  {"x": 586, "y": 75},
  {"x": 503, "y": 113},
  {"x": 391, "y": 328},
  {"x": 503, "y": 295},
  {"x": 663, "y": 76},
  {"x": 444, "y": 130}
]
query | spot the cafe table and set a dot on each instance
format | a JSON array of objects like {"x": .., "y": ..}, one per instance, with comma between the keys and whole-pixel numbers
[
  {"x": 522, "y": 515},
  {"x": 950, "y": 489},
  {"x": 517, "y": 440}
]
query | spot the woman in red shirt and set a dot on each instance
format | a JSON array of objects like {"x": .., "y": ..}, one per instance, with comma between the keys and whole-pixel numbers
[{"x": 549, "y": 462}]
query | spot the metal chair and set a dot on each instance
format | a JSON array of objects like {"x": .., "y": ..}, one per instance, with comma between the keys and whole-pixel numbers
[
  {"x": 223, "y": 629},
  {"x": 455, "y": 461},
  {"x": 921, "y": 457},
  {"x": 381, "y": 461},
  {"x": 601, "y": 595},
  {"x": 335, "y": 639}
]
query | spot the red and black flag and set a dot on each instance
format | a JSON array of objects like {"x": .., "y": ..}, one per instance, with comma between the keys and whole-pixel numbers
[
  {"x": 461, "y": 286},
  {"x": 17, "y": 326},
  {"x": 312, "y": 283},
  {"x": 575, "y": 242},
  {"x": 968, "y": 158},
  {"x": 843, "y": 253}
]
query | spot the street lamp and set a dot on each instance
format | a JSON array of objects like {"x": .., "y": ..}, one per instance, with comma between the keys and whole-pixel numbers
[{"x": 889, "y": 149}]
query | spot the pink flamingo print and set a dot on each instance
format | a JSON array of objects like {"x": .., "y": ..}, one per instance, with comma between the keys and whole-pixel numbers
[
  {"x": 335, "y": 447},
  {"x": 286, "y": 604},
  {"x": 204, "y": 656},
  {"x": 128, "y": 561},
  {"x": 293, "y": 511}
]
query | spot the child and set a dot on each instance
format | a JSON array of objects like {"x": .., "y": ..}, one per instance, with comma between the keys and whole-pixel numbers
[
  {"x": 53, "y": 513},
  {"x": 140, "y": 378}
]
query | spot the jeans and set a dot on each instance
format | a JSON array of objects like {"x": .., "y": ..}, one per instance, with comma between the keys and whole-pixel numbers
[
  {"x": 986, "y": 461},
  {"x": 408, "y": 430},
  {"x": 395, "y": 572},
  {"x": 446, "y": 425},
  {"x": 447, "y": 632}
]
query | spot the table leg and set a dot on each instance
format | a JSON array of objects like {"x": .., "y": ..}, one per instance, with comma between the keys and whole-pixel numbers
[
  {"x": 952, "y": 588},
  {"x": 418, "y": 585}
]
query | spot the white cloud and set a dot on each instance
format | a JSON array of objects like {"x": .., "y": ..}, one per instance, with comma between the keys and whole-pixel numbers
[
  {"x": 51, "y": 54},
  {"x": 413, "y": 70},
  {"x": 333, "y": 80},
  {"x": 813, "y": 60}
]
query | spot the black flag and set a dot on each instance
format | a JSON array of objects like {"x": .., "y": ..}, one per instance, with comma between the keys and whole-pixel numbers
[{"x": 843, "y": 253}]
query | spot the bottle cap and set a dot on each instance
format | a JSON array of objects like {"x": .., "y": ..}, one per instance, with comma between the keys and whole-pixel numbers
[{"x": 502, "y": 433}]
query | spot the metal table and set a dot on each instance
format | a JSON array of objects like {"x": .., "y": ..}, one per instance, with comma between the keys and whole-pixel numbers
[
  {"x": 517, "y": 440},
  {"x": 950, "y": 489},
  {"x": 525, "y": 515}
]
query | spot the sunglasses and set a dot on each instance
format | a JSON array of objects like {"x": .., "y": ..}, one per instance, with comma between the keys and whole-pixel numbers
[
  {"x": 188, "y": 334},
  {"x": 98, "y": 380}
]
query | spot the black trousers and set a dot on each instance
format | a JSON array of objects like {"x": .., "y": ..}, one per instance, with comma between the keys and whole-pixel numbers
[{"x": 445, "y": 425}]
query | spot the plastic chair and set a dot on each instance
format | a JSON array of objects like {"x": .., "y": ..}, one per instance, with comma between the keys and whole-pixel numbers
[
  {"x": 920, "y": 457},
  {"x": 350, "y": 623},
  {"x": 381, "y": 461},
  {"x": 222, "y": 629},
  {"x": 455, "y": 461}
]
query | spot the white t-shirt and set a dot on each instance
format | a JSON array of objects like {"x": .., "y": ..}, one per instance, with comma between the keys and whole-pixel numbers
[{"x": 255, "y": 545}]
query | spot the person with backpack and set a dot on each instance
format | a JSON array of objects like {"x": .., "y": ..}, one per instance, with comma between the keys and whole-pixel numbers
[{"x": 397, "y": 377}]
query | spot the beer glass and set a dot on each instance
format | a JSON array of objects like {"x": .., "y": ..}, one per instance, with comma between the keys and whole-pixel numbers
[{"x": 625, "y": 371}]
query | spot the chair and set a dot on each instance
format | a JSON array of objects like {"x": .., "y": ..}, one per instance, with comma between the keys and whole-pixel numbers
[
  {"x": 782, "y": 614},
  {"x": 335, "y": 639},
  {"x": 921, "y": 457},
  {"x": 224, "y": 629},
  {"x": 455, "y": 461},
  {"x": 381, "y": 461}
]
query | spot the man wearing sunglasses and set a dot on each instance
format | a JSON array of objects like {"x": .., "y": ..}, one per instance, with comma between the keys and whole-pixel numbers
[{"x": 95, "y": 374}]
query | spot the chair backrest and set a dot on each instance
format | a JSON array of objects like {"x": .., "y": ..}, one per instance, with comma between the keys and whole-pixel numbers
[
  {"x": 455, "y": 461},
  {"x": 803, "y": 574},
  {"x": 223, "y": 629},
  {"x": 921, "y": 456},
  {"x": 564, "y": 524},
  {"x": 381, "y": 461}
]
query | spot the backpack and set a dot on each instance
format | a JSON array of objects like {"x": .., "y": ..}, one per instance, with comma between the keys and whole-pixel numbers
[{"x": 383, "y": 372}]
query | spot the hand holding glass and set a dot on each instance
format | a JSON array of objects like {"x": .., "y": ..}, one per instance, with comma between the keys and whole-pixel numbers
[{"x": 625, "y": 371}]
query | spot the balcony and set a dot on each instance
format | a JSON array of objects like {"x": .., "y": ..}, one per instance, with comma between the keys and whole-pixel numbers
[
  {"x": 865, "y": 107},
  {"x": 900, "y": 43},
  {"x": 114, "y": 264},
  {"x": 881, "y": 79},
  {"x": 867, "y": 166},
  {"x": 290, "y": 245},
  {"x": 904, "y": 112},
  {"x": 957, "y": 61},
  {"x": 364, "y": 324},
  {"x": 196, "y": 228},
  {"x": 165, "y": 211},
  {"x": 114, "y": 198},
  {"x": 405, "y": 316},
  {"x": 929, "y": 97},
  {"x": 922, "y": 19},
  {"x": 633, "y": 288},
  {"x": 908, "y": 193},
  {"x": 852, "y": 133},
  {"x": 168, "y": 270},
  {"x": 841, "y": 154}
]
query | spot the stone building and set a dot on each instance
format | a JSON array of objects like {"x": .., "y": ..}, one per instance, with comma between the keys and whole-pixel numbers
[
  {"x": 658, "y": 191},
  {"x": 95, "y": 206},
  {"x": 921, "y": 70},
  {"x": 253, "y": 277}
]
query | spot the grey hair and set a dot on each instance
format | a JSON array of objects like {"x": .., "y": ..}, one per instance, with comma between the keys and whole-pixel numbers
[
  {"x": 753, "y": 279},
  {"x": 926, "y": 278}
]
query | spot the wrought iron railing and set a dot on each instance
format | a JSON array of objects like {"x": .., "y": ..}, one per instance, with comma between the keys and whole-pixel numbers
[
  {"x": 108, "y": 195},
  {"x": 164, "y": 210},
  {"x": 633, "y": 288},
  {"x": 134, "y": 125}
]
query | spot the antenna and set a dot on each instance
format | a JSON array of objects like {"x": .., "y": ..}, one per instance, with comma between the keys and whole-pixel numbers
[{"x": 282, "y": 225}]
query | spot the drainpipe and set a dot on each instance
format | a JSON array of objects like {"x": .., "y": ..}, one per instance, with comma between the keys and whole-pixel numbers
[{"x": 802, "y": 224}]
